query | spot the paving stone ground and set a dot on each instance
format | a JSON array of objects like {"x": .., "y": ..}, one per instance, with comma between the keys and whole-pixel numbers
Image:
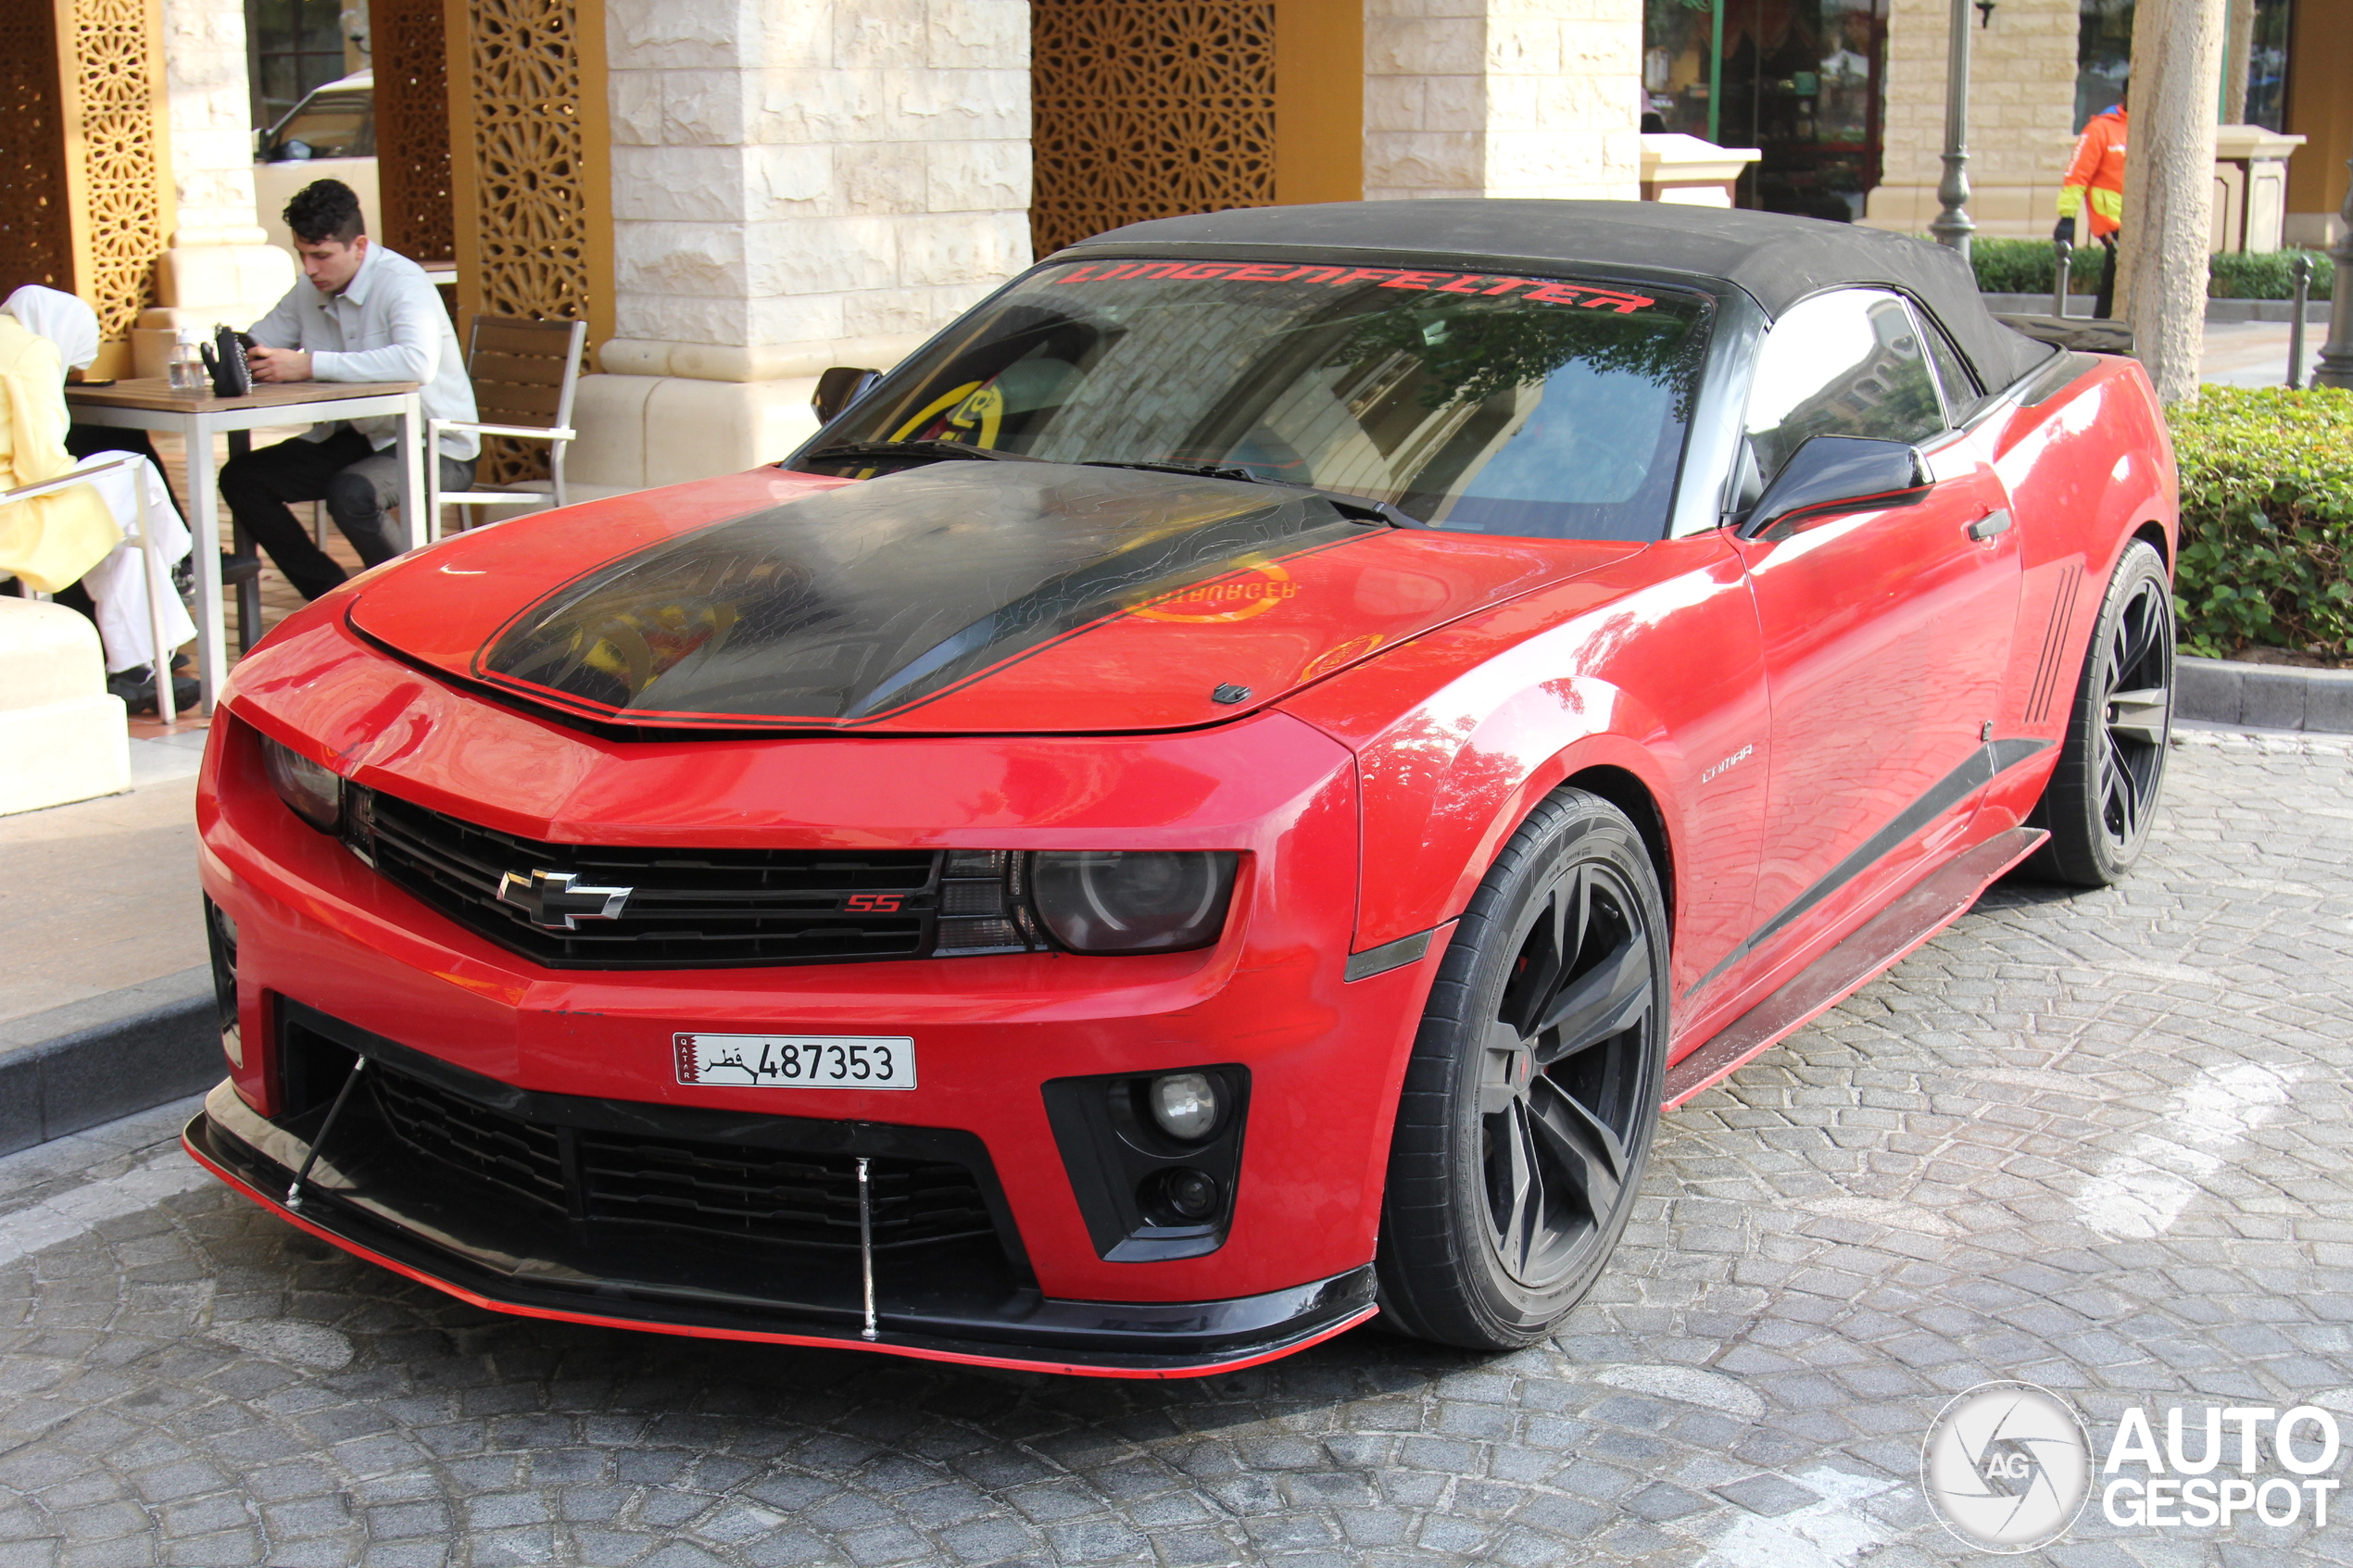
[{"x": 2098, "y": 1141}]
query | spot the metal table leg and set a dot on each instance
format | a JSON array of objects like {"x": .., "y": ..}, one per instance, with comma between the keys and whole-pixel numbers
[
  {"x": 248, "y": 590},
  {"x": 203, "y": 522}
]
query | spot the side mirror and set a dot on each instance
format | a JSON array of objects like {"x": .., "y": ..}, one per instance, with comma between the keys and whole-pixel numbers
[
  {"x": 1848, "y": 472},
  {"x": 838, "y": 388}
]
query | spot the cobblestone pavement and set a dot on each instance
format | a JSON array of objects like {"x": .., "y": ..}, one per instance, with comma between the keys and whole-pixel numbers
[{"x": 2096, "y": 1141}]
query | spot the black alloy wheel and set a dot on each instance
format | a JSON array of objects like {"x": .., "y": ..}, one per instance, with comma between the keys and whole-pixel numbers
[
  {"x": 2103, "y": 794},
  {"x": 1534, "y": 1086}
]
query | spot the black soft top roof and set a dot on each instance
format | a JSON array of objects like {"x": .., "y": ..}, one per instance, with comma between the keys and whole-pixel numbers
[{"x": 1775, "y": 258}]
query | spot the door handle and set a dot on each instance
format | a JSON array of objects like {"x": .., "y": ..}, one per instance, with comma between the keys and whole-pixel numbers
[{"x": 1991, "y": 525}]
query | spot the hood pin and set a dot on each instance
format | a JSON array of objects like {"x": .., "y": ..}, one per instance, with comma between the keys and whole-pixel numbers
[{"x": 1229, "y": 694}]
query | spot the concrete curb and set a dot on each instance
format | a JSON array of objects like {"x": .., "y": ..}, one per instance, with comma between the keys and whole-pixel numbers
[
  {"x": 2263, "y": 697},
  {"x": 106, "y": 1057},
  {"x": 2315, "y": 311}
]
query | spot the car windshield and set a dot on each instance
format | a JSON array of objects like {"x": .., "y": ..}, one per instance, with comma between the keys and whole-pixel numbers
[
  {"x": 1474, "y": 402},
  {"x": 325, "y": 125}
]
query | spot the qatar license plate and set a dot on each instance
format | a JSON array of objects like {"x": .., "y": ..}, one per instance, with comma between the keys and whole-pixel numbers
[{"x": 797, "y": 1061}]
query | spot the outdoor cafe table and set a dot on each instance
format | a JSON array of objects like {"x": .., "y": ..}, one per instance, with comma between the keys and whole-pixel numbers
[{"x": 150, "y": 403}]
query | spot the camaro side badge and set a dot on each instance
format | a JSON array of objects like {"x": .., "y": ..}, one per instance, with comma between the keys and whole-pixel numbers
[
  {"x": 1734, "y": 760},
  {"x": 554, "y": 903}
]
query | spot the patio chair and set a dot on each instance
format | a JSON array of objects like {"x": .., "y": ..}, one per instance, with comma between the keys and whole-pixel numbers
[
  {"x": 523, "y": 374},
  {"x": 158, "y": 570}
]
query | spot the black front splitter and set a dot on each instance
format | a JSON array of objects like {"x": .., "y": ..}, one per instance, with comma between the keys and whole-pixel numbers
[{"x": 1094, "y": 1339}]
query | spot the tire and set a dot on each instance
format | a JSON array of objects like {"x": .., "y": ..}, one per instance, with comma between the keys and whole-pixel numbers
[
  {"x": 2104, "y": 793},
  {"x": 1532, "y": 1094}
]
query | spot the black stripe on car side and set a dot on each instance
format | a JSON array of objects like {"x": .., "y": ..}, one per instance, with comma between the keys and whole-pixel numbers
[{"x": 1985, "y": 764}]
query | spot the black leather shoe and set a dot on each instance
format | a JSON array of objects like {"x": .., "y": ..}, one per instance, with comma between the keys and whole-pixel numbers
[
  {"x": 136, "y": 686},
  {"x": 238, "y": 569}
]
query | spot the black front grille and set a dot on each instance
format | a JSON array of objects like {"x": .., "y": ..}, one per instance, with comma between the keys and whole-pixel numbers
[
  {"x": 810, "y": 1198},
  {"x": 688, "y": 909},
  {"x": 524, "y": 1159},
  {"x": 755, "y": 1192}
]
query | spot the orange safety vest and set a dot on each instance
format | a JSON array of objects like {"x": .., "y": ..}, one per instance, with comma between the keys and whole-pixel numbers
[{"x": 2097, "y": 170}]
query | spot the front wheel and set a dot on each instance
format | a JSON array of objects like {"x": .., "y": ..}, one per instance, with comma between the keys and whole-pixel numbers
[
  {"x": 1534, "y": 1086},
  {"x": 2103, "y": 794}
]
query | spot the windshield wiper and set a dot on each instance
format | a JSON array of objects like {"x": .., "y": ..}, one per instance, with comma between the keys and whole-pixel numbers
[
  {"x": 922, "y": 451},
  {"x": 1350, "y": 505}
]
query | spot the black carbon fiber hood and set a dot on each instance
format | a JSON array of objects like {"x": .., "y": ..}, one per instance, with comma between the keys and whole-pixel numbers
[{"x": 855, "y": 602}]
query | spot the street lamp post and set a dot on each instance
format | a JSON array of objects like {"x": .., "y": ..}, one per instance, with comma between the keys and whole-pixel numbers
[
  {"x": 2336, "y": 355},
  {"x": 1952, "y": 226}
]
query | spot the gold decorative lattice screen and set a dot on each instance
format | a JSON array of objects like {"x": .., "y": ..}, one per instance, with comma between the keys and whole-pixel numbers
[
  {"x": 1148, "y": 109},
  {"x": 530, "y": 175},
  {"x": 83, "y": 201},
  {"x": 36, "y": 237},
  {"x": 412, "y": 127},
  {"x": 115, "y": 95}
]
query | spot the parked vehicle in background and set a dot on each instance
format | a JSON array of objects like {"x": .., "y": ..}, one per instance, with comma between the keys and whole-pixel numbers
[{"x": 330, "y": 135}]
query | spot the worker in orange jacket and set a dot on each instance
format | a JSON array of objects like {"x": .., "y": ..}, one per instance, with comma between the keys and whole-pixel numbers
[{"x": 2095, "y": 179}]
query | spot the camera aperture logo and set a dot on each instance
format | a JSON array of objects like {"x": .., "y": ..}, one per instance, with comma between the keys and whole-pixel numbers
[{"x": 2007, "y": 1466}]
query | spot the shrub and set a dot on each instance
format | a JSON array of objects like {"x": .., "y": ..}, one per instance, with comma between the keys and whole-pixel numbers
[
  {"x": 2025, "y": 267},
  {"x": 2267, "y": 519},
  {"x": 2265, "y": 277}
]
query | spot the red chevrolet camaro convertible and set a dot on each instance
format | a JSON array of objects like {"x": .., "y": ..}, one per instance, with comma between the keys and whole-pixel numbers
[{"x": 1220, "y": 796}]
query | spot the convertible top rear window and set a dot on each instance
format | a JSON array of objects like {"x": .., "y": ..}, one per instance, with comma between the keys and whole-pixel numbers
[{"x": 1481, "y": 403}]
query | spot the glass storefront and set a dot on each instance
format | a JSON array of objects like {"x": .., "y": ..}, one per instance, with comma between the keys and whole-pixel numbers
[
  {"x": 2103, "y": 54},
  {"x": 291, "y": 46},
  {"x": 1802, "y": 81}
]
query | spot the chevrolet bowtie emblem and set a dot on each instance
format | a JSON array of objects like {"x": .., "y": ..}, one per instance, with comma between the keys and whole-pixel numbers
[{"x": 554, "y": 900}]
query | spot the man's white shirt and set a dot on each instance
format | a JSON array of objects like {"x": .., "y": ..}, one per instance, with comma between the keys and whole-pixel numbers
[{"x": 388, "y": 324}]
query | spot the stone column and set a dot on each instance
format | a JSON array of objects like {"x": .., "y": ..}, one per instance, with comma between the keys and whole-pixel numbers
[
  {"x": 1503, "y": 98},
  {"x": 221, "y": 268},
  {"x": 2022, "y": 116},
  {"x": 796, "y": 185}
]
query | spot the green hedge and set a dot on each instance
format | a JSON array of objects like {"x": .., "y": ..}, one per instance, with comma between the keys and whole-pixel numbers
[
  {"x": 2265, "y": 277},
  {"x": 2025, "y": 267},
  {"x": 2267, "y": 520}
]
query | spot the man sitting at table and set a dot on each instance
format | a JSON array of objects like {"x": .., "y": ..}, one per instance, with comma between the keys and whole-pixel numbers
[{"x": 364, "y": 314}]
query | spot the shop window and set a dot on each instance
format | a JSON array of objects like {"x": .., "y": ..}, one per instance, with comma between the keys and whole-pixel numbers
[
  {"x": 1802, "y": 81},
  {"x": 2254, "y": 63},
  {"x": 291, "y": 46}
]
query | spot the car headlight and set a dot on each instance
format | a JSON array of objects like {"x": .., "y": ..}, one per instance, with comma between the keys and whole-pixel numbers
[
  {"x": 1132, "y": 900},
  {"x": 311, "y": 790}
]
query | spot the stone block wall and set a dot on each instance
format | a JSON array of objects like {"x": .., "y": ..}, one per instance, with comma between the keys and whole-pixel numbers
[
  {"x": 220, "y": 268},
  {"x": 2022, "y": 114},
  {"x": 204, "y": 56},
  {"x": 792, "y": 178},
  {"x": 1503, "y": 98}
]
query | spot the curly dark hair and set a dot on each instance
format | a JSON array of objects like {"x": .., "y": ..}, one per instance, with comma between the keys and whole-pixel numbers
[{"x": 324, "y": 210}]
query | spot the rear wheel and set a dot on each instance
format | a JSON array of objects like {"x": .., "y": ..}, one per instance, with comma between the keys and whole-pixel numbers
[
  {"x": 1533, "y": 1090},
  {"x": 2103, "y": 795}
]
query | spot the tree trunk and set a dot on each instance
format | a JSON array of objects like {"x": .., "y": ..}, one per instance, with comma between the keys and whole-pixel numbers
[
  {"x": 2169, "y": 186},
  {"x": 2238, "y": 56}
]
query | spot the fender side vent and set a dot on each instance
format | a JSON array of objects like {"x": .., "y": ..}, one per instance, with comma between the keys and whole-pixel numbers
[{"x": 2046, "y": 669}]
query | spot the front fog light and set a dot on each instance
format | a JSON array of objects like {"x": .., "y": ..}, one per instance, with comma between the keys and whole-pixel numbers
[
  {"x": 1183, "y": 1196},
  {"x": 311, "y": 791},
  {"x": 1132, "y": 901},
  {"x": 1185, "y": 1104}
]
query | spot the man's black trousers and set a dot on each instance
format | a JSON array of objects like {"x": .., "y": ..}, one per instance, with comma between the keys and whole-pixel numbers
[{"x": 357, "y": 482}]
